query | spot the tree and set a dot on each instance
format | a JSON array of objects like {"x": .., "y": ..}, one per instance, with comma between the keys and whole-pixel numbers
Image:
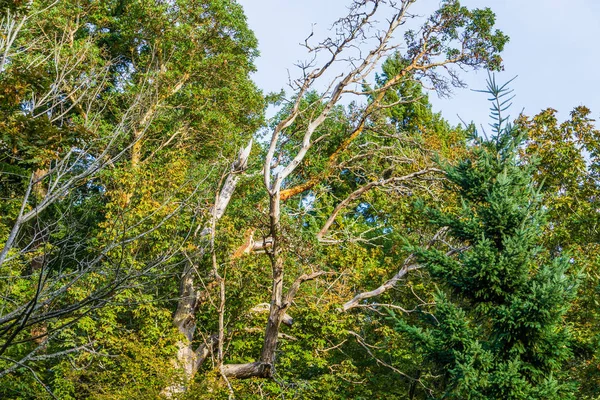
[
  {"x": 497, "y": 328},
  {"x": 111, "y": 114},
  {"x": 566, "y": 155},
  {"x": 453, "y": 35}
]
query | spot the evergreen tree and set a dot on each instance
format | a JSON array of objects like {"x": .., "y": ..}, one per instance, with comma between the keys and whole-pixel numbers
[{"x": 497, "y": 330}]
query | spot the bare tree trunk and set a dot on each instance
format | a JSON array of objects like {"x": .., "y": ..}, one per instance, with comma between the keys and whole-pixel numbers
[
  {"x": 277, "y": 308},
  {"x": 256, "y": 369},
  {"x": 185, "y": 321},
  {"x": 265, "y": 368},
  {"x": 189, "y": 359}
]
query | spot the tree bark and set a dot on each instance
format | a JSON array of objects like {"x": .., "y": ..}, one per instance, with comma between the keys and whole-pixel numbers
[
  {"x": 256, "y": 369},
  {"x": 277, "y": 308},
  {"x": 189, "y": 360}
]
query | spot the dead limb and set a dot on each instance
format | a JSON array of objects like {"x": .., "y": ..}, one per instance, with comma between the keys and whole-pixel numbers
[
  {"x": 360, "y": 191},
  {"x": 408, "y": 265}
]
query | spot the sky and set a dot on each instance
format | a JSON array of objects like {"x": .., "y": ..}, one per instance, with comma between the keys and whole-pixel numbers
[{"x": 554, "y": 51}]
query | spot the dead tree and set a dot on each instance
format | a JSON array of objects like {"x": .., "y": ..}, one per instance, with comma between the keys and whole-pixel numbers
[
  {"x": 452, "y": 36},
  {"x": 429, "y": 53}
]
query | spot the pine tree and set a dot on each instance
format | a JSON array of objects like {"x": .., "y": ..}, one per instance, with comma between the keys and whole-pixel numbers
[{"x": 497, "y": 329}]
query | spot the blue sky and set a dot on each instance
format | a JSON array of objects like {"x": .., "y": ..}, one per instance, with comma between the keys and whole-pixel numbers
[{"x": 554, "y": 50}]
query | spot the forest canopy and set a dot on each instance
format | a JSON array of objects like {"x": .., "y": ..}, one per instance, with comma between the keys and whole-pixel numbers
[{"x": 160, "y": 237}]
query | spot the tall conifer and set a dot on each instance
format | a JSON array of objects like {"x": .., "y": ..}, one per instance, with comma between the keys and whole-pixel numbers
[{"x": 497, "y": 331}]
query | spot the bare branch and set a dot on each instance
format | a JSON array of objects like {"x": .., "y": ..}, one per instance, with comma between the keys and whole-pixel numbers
[{"x": 358, "y": 192}]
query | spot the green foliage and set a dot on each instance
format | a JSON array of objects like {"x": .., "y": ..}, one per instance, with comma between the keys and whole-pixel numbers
[
  {"x": 567, "y": 157},
  {"x": 454, "y": 32},
  {"x": 162, "y": 90},
  {"x": 497, "y": 329}
]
